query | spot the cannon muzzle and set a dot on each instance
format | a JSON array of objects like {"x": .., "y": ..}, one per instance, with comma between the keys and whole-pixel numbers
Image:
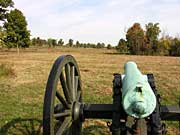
[{"x": 139, "y": 99}]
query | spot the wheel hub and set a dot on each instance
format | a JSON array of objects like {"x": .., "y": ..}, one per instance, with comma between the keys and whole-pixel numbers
[{"x": 77, "y": 111}]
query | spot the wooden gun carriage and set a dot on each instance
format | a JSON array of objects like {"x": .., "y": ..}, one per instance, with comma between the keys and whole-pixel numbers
[{"x": 134, "y": 95}]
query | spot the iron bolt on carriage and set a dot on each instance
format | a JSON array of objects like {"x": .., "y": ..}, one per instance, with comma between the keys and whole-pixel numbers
[{"x": 134, "y": 94}]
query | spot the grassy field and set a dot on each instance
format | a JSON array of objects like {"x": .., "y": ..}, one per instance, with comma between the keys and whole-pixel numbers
[{"x": 22, "y": 91}]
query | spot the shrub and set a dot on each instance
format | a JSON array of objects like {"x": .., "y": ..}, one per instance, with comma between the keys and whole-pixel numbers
[{"x": 6, "y": 70}]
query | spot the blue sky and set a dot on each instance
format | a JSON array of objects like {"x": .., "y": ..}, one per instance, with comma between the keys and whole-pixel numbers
[{"x": 97, "y": 20}]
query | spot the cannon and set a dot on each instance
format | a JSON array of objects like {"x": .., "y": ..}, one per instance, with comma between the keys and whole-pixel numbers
[{"x": 135, "y": 97}]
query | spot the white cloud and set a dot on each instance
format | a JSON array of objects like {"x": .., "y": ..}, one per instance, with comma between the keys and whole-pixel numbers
[{"x": 101, "y": 22}]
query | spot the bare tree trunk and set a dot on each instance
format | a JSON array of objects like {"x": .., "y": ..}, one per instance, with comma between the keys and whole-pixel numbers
[{"x": 17, "y": 48}]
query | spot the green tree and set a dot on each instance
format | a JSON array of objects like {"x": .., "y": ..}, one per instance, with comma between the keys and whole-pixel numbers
[
  {"x": 175, "y": 47},
  {"x": 16, "y": 29},
  {"x": 60, "y": 42},
  {"x": 122, "y": 46},
  {"x": 54, "y": 42},
  {"x": 4, "y": 5},
  {"x": 152, "y": 33},
  {"x": 50, "y": 42},
  {"x": 93, "y": 45},
  {"x": 100, "y": 45},
  {"x": 103, "y": 45},
  {"x": 39, "y": 42},
  {"x": 77, "y": 44},
  {"x": 88, "y": 45},
  {"x": 33, "y": 41},
  {"x": 70, "y": 42},
  {"x": 135, "y": 39},
  {"x": 164, "y": 44},
  {"x": 109, "y": 46}
]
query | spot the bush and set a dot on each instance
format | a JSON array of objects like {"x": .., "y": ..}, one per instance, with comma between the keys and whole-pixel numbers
[{"x": 6, "y": 70}]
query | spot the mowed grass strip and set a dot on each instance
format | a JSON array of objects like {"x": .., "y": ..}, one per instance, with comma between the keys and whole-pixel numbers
[{"x": 21, "y": 96}]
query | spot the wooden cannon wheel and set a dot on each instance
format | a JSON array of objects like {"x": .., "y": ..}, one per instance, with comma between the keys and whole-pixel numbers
[{"x": 58, "y": 100}]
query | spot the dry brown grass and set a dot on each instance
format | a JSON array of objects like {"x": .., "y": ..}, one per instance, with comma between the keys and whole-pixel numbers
[{"x": 97, "y": 68}]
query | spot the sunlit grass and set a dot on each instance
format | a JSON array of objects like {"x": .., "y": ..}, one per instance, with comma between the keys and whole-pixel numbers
[{"x": 21, "y": 96}]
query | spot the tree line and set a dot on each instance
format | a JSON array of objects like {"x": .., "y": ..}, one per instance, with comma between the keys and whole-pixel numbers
[
  {"x": 138, "y": 41},
  {"x": 50, "y": 42},
  {"x": 147, "y": 42}
]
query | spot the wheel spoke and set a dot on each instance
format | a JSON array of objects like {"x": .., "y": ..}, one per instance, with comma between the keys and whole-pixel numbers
[
  {"x": 76, "y": 83},
  {"x": 78, "y": 95},
  {"x": 64, "y": 126},
  {"x": 65, "y": 88},
  {"x": 61, "y": 99},
  {"x": 73, "y": 93},
  {"x": 64, "y": 114},
  {"x": 68, "y": 77}
]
